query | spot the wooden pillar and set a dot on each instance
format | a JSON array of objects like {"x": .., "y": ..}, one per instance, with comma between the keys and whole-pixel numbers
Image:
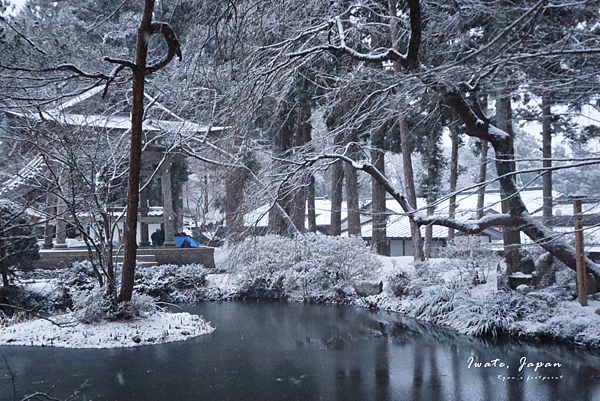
[
  {"x": 167, "y": 204},
  {"x": 145, "y": 237},
  {"x": 50, "y": 210},
  {"x": 61, "y": 212},
  {"x": 579, "y": 250}
]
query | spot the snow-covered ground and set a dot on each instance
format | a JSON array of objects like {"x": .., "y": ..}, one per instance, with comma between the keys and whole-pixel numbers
[{"x": 158, "y": 328}]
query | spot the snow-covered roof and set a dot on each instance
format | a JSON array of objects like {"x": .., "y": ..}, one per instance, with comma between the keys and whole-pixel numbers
[
  {"x": 116, "y": 122},
  {"x": 25, "y": 175},
  {"x": 399, "y": 227},
  {"x": 61, "y": 116}
]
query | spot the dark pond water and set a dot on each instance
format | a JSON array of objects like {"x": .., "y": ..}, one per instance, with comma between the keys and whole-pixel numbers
[{"x": 278, "y": 351}]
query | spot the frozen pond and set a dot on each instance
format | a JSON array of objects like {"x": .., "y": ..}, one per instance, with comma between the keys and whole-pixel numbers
[{"x": 279, "y": 351}]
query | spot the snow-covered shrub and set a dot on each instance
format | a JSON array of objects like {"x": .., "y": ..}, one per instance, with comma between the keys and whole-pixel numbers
[
  {"x": 96, "y": 305},
  {"x": 80, "y": 276},
  {"x": 307, "y": 266},
  {"x": 93, "y": 306},
  {"x": 399, "y": 283},
  {"x": 402, "y": 283},
  {"x": 488, "y": 315},
  {"x": 473, "y": 258},
  {"x": 172, "y": 283},
  {"x": 435, "y": 304}
]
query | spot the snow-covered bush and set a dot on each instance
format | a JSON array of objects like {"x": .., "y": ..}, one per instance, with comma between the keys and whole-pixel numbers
[
  {"x": 96, "y": 305},
  {"x": 473, "y": 258},
  {"x": 399, "y": 283},
  {"x": 402, "y": 283},
  {"x": 80, "y": 276},
  {"x": 172, "y": 283},
  {"x": 437, "y": 303},
  {"x": 488, "y": 315},
  {"x": 308, "y": 266}
]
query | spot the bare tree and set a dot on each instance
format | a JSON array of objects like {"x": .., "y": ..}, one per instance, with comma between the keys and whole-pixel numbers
[{"x": 139, "y": 71}]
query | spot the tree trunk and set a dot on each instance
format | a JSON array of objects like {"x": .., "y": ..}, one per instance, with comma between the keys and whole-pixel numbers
[
  {"x": 234, "y": 199},
  {"x": 311, "y": 209},
  {"x": 337, "y": 184},
  {"x": 547, "y": 156},
  {"x": 352, "y": 190},
  {"x": 378, "y": 206},
  {"x": 429, "y": 234},
  {"x": 481, "y": 179},
  {"x": 512, "y": 236},
  {"x": 453, "y": 175},
  {"x": 302, "y": 129},
  {"x": 409, "y": 181},
  {"x": 135, "y": 154},
  {"x": 411, "y": 194}
]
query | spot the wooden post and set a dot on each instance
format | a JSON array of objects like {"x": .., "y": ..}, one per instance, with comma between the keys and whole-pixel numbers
[
  {"x": 50, "y": 210},
  {"x": 581, "y": 266},
  {"x": 61, "y": 213},
  {"x": 168, "y": 204}
]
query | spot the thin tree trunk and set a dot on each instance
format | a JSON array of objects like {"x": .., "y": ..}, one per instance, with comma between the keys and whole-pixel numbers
[
  {"x": 409, "y": 181},
  {"x": 453, "y": 175},
  {"x": 481, "y": 179},
  {"x": 312, "y": 214},
  {"x": 482, "y": 169},
  {"x": 411, "y": 194},
  {"x": 135, "y": 154},
  {"x": 429, "y": 234},
  {"x": 547, "y": 156},
  {"x": 352, "y": 190}
]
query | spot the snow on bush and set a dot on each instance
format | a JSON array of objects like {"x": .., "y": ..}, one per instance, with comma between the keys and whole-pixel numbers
[
  {"x": 425, "y": 274},
  {"x": 488, "y": 315},
  {"x": 172, "y": 283},
  {"x": 473, "y": 258},
  {"x": 96, "y": 305},
  {"x": 307, "y": 267}
]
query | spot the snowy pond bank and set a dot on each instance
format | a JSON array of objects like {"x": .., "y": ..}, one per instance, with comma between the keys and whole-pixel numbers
[
  {"x": 158, "y": 328},
  {"x": 430, "y": 294},
  {"x": 283, "y": 351}
]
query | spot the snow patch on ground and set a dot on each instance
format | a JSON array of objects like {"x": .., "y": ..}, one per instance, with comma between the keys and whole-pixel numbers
[{"x": 158, "y": 328}]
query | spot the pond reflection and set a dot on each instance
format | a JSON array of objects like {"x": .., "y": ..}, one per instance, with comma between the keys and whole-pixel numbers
[{"x": 279, "y": 351}]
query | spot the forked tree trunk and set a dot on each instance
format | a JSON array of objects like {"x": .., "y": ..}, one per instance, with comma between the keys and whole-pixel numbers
[
  {"x": 135, "y": 154},
  {"x": 139, "y": 70}
]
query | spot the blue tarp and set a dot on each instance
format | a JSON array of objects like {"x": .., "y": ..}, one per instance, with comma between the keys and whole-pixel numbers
[{"x": 193, "y": 243}]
